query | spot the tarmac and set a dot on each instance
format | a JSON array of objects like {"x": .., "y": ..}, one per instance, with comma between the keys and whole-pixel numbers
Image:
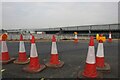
[{"x": 74, "y": 56}]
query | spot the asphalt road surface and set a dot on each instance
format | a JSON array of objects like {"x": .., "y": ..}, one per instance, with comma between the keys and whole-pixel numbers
[{"x": 74, "y": 56}]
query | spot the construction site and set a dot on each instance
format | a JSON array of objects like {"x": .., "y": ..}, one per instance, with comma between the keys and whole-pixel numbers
[
  {"x": 73, "y": 46},
  {"x": 59, "y": 40}
]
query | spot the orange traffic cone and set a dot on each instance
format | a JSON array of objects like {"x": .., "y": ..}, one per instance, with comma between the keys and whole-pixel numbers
[
  {"x": 54, "y": 60},
  {"x": 4, "y": 56},
  {"x": 34, "y": 65},
  {"x": 100, "y": 62},
  {"x": 76, "y": 39},
  {"x": 22, "y": 59},
  {"x": 110, "y": 37},
  {"x": 90, "y": 67}
]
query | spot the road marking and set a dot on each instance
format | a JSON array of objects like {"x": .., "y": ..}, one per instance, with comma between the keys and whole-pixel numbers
[
  {"x": 42, "y": 79},
  {"x": 2, "y": 70}
]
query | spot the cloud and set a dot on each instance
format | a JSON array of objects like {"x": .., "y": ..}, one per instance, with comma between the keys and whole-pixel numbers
[{"x": 56, "y": 14}]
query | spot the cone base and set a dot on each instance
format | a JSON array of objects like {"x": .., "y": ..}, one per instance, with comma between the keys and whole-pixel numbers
[
  {"x": 29, "y": 70},
  {"x": 55, "y": 65},
  {"x": 110, "y": 41},
  {"x": 8, "y": 61},
  {"x": 104, "y": 69},
  {"x": 75, "y": 40},
  {"x": 80, "y": 75},
  {"x": 21, "y": 62}
]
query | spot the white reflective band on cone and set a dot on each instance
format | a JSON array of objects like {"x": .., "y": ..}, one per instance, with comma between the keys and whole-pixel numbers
[
  {"x": 109, "y": 35},
  {"x": 91, "y": 55},
  {"x": 33, "y": 52},
  {"x": 100, "y": 50},
  {"x": 54, "y": 48},
  {"x": 4, "y": 46},
  {"x": 75, "y": 36},
  {"x": 21, "y": 46}
]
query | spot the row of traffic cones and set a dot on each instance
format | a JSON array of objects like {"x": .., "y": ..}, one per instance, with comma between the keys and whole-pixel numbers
[
  {"x": 95, "y": 63},
  {"x": 91, "y": 67},
  {"x": 34, "y": 64},
  {"x": 76, "y": 38}
]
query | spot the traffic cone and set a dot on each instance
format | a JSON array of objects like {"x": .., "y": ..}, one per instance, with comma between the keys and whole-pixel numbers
[
  {"x": 54, "y": 60},
  {"x": 90, "y": 67},
  {"x": 110, "y": 37},
  {"x": 100, "y": 62},
  {"x": 76, "y": 39},
  {"x": 4, "y": 56},
  {"x": 22, "y": 59},
  {"x": 34, "y": 65}
]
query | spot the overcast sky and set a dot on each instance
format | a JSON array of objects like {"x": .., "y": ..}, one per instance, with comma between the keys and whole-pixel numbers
[{"x": 57, "y": 14}]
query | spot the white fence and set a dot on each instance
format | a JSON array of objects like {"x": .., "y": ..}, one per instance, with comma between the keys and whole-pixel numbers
[{"x": 45, "y": 36}]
